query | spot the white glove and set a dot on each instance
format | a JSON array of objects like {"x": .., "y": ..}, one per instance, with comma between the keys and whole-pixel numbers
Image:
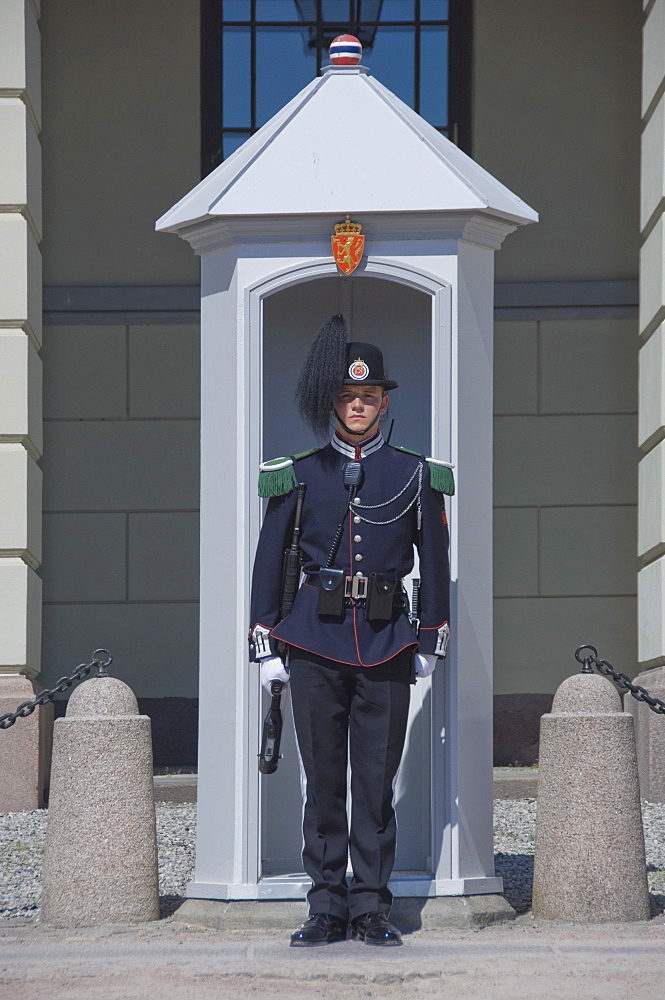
[
  {"x": 272, "y": 669},
  {"x": 425, "y": 664}
]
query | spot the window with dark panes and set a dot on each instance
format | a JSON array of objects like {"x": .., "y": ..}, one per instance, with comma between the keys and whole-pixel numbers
[{"x": 257, "y": 54}]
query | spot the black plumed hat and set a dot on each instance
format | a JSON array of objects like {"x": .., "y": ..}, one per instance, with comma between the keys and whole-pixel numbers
[
  {"x": 364, "y": 366},
  {"x": 331, "y": 363}
]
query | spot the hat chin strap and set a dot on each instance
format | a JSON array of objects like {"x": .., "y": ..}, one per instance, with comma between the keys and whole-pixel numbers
[{"x": 357, "y": 433}]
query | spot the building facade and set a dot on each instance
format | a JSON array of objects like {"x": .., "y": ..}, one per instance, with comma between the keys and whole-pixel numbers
[{"x": 107, "y": 113}]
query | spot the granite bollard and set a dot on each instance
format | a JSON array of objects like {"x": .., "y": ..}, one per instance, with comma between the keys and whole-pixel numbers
[
  {"x": 590, "y": 864},
  {"x": 100, "y": 864},
  {"x": 650, "y": 736}
]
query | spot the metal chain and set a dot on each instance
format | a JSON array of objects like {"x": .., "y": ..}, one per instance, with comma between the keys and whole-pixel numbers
[
  {"x": 356, "y": 511},
  {"x": 418, "y": 471},
  {"x": 26, "y": 708},
  {"x": 606, "y": 668}
]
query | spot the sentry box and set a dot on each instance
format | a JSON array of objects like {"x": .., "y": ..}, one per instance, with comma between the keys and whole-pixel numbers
[{"x": 422, "y": 288}]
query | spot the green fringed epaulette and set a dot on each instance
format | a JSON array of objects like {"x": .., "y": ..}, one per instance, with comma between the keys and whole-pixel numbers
[
  {"x": 440, "y": 473},
  {"x": 441, "y": 477},
  {"x": 277, "y": 477}
]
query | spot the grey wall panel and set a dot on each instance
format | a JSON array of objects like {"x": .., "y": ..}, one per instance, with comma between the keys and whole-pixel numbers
[
  {"x": 163, "y": 556},
  {"x": 155, "y": 646},
  {"x": 516, "y": 367},
  {"x": 565, "y": 460},
  {"x": 515, "y": 551},
  {"x": 588, "y": 550},
  {"x": 84, "y": 557},
  {"x": 117, "y": 465},
  {"x": 85, "y": 372},
  {"x": 122, "y": 492},
  {"x": 164, "y": 367},
  {"x": 589, "y": 366},
  {"x": 565, "y": 473},
  {"x": 535, "y": 638}
]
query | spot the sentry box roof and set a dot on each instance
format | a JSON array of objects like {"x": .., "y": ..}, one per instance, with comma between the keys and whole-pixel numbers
[{"x": 346, "y": 144}]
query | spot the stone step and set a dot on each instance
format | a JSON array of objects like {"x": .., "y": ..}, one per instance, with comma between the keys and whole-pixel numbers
[
  {"x": 175, "y": 788},
  {"x": 515, "y": 782}
]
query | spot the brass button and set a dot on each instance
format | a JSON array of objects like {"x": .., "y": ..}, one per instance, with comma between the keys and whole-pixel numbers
[
  {"x": 358, "y": 557},
  {"x": 357, "y": 538},
  {"x": 356, "y": 520},
  {"x": 356, "y": 499}
]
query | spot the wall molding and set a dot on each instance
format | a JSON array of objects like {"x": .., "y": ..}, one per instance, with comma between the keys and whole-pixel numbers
[
  {"x": 65, "y": 305},
  {"x": 542, "y": 300},
  {"x": 107, "y": 304}
]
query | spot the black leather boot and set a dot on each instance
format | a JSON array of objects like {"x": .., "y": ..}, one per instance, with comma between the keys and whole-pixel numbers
[
  {"x": 375, "y": 928},
  {"x": 319, "y": 928}
]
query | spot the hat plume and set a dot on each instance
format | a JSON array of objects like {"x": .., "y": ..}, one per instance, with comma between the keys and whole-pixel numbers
[{"x": 322, "y": 375}]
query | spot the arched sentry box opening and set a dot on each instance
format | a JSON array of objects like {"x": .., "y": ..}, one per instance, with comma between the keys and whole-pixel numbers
[{"x": 399, "y": 318}]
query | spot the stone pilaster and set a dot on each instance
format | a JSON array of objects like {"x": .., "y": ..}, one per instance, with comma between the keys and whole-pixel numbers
[
  {"x": 22, "y": 749},
  {"x": 651, "y": 535}
]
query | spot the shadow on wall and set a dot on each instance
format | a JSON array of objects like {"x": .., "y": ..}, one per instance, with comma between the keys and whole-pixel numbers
[{"x": 517, "y": 727}]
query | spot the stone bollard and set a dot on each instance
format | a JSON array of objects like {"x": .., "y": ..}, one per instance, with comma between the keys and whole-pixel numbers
[
  {"x": 590, "y": 865},
  {"x": 100, "y": 865},
  {"x": 650, "y": 736}
]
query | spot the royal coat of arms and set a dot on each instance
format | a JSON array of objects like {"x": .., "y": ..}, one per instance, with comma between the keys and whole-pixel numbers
[{"x": 347, "y": 245}]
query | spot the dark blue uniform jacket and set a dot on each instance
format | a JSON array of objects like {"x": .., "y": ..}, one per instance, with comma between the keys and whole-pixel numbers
[{"x": 365, "y": 547}]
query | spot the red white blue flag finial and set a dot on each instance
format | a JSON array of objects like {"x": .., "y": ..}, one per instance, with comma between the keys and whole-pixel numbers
[{"x": 345, "y": 50}]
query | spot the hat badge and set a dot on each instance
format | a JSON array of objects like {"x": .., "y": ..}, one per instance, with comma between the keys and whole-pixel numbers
[{"x": 358, "y": 370}]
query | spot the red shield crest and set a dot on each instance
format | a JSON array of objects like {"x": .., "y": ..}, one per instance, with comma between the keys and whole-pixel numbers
[{"x": 347, "y": 245}]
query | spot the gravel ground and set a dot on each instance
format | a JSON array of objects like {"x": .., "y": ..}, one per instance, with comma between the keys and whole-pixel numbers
[
  {"x": 22, "y": 847},
  {"x": 22, "y": 837}
]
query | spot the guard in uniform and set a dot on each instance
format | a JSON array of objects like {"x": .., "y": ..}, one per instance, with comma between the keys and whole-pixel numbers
[{"x": 352, "y": 648}]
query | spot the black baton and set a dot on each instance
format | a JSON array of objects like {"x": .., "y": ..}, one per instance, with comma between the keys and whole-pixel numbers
[{"x": 272, "y": 732}]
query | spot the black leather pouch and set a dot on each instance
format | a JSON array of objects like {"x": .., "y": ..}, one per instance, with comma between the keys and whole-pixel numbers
[
  {"x": 381, "y": 588},
  {"x": 331, "y": 592}
]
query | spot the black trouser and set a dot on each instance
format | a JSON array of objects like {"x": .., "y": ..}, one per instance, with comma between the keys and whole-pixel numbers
[{"x": 336, "y": 705}]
